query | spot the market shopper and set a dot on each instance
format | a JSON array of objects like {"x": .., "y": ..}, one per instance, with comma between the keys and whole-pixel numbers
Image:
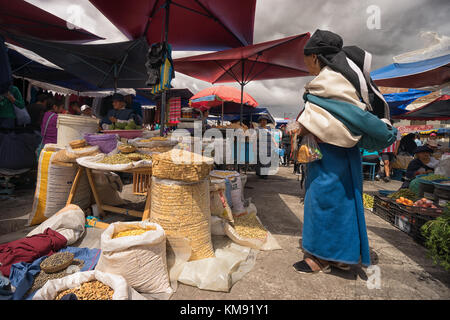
[
  {"x": 37, "y": 110},
  {"x": 387, "y": 156},
  {"x": 264, "y": 147},
  {"x": 334, "y": 229},
  {"x": 286, "y": 145},
  {"x": 8, "y": 100},
  {"x": 119, "y": 112}
]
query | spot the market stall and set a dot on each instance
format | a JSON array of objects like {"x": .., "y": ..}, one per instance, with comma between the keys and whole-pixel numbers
[{"x": 409, "y": 209}]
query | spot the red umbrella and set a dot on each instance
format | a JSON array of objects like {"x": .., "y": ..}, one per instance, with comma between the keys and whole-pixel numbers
[
  {"x": 275, "y": 59},
  {"x": 215, "y": 96},
  {"x": 218, "y": 96},
  {"x": 22, "y": 18},
  {"x": 193, "y": 24}
]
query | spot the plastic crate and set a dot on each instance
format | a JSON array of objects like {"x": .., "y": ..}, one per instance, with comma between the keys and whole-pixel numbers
[
  {"x": 381, "y": 201},
  {"x": 384, "y": 213},
  {"x": 409, "y": 220}
]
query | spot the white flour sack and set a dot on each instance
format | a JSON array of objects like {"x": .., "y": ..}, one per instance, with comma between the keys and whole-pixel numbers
[
  {"x": 54, "y": 182},
  {"x": 140, "y": 259}
]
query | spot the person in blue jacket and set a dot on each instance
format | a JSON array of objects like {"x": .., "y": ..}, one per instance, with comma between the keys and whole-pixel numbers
[{"x": 119, "y": 112}]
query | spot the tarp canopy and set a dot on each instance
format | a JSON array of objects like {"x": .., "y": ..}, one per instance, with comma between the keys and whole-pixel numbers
[
  {"x": 54, "y": 79},
  {"x": 399, "y": 101},
  {"x": 439, "y": 109},
  {"x": 110, "y": 65},
  {"x": 23, "y": 18},
  {"x": 193, "y": 24},
  {"x": 430, "y": 72}
]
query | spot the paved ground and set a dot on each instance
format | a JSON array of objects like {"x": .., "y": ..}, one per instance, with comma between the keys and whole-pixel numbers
[{"x": 405, "y": 271}]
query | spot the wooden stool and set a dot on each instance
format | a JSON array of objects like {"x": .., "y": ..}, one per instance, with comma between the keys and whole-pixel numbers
[{"x": 141, "y": 180}]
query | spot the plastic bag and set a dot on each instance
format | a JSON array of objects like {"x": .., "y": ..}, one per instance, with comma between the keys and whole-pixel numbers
[
  {"x": 106, "y": 142},
  {"x": 309, "y": 150}
]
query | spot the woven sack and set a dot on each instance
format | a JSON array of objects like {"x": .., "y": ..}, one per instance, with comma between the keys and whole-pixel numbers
[
  {"x": 183, "y": 211},
  {"x": 181, "y": 165}
]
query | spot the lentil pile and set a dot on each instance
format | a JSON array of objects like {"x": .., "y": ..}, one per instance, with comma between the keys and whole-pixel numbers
[
  {"x": 91, "y": 290},
  {"x": 57, "y": 262},
  {"x": 248, "y": 226}
]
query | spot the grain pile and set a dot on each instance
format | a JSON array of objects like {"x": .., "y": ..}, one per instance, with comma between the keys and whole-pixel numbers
[
  {"x": 248, "y": 226},
  {"x": 91, "y": 290},
  {"x": 183, "y": 210},
  {"x": 181, "y": 165},
  {"x": 132, "y": 232}
]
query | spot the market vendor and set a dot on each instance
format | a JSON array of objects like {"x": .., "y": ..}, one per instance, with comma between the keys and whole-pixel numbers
[
  {"x": 119, "y": 112},
  {"x": 264, "y": 163},
  {"x": 87, "y": 111},
  {"x": 49, "y": 130},
  {"x": 420, "y": 165}
]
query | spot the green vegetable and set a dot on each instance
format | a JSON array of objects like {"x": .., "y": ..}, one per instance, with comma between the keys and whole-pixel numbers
[
  {"x": 131, "y": 124},
  {"x": 405, "y": 193},
  {"x": 120, "y": 125},
  {"x": 367, "y": 201},
  {"x": 437, "y": 235},
  {"x": 432, "y": 177}
]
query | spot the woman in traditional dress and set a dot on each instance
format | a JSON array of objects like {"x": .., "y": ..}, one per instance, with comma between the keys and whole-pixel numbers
[{"x": 344, "y": 110}]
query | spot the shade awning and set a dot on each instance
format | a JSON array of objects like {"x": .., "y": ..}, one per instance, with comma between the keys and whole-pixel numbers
[
  {"x": 439, "y": 109},
  {"x": 282, "y": 58},
  {"x": 431, "y": 72},
  {"x": 23, "y": 18},
  {"x": 110, "y": 65},
  {"x": 193, "y": 24}
]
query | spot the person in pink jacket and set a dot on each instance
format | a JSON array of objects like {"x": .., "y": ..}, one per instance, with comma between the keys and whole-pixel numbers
[{"x": 49, "y": 132}]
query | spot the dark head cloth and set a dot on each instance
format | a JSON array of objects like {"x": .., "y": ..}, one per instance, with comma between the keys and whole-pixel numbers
[
  {"x": 323, "y": 42},
  {"x": 118, "y": 97},
  {"x": 353, "y": 63},
  {"x": 423, "y": 149}
]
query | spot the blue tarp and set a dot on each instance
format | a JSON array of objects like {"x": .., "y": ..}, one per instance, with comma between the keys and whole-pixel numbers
[
  {"x": 397, "y": 70},
  {"x": 234, "y": 115},
  {"x": 399, "y": 101}
]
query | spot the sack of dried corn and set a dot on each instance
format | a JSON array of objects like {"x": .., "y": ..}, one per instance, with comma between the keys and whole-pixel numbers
[
  {"x": 183, "y": 210},
  {"x": 53, "y": 186},
  {"x": 247, "y": 230},
  {"x": 181, "y": 165},
  {"x": 137, "y": 252},
  {"x": 218, "y": 201},
  {"x": 89, "y": 285}
]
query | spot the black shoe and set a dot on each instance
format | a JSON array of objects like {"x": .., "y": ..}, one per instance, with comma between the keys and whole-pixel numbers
[
  {"x": 377, "y": 178},
  {"x": 387, "y": 179}
]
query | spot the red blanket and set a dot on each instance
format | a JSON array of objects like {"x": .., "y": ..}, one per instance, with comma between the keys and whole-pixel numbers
[{"x": 29, "y": 249}]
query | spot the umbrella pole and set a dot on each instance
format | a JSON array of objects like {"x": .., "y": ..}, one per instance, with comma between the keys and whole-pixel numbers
[
  {"x": 163, "y": 97},
  {"x": 242, "y": 92},
  {"x": 222, "y": 113}
]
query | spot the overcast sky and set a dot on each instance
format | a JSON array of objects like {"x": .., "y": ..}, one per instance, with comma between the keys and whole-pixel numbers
[{"x": 400, "y": 23}]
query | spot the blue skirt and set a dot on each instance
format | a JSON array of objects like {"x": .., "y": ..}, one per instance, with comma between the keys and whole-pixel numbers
[{"x": 334, "y": 226}]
